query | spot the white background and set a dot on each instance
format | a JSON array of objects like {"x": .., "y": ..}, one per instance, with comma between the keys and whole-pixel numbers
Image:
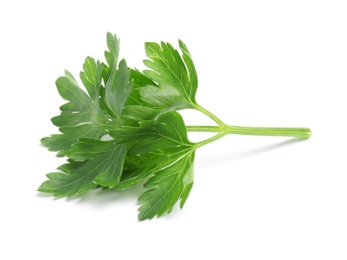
[{"x": 260, "y": 63}]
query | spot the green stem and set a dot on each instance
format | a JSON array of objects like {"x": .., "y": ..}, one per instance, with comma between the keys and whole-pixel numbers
[
  {"x": 210, "y": 140},
  {"x": 199, "y": 128},
  {"x": 223, "y": 129},
  {"x": 209, "y": 114},
  {"x": 241, "y": 130}
]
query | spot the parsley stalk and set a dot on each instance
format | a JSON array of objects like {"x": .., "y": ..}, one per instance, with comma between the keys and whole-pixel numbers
[
  {"x": 223, "y": 129},
  {"x": 303, "y": 133}
]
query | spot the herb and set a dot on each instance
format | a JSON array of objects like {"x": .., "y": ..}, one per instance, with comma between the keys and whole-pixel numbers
[{"x": 125, "y": 128}]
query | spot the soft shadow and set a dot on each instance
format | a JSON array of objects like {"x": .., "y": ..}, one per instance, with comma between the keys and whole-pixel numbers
[
  {"x": 234, "y": 156},
  {"x": 265, "y": 149},
  {"x": 101, "y": 197},
  {"x": 43, "y": 195}
]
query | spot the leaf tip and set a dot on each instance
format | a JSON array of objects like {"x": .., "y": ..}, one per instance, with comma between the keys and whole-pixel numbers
[
  {"x": 183, "y": 47},
  {"x": 45, "y": 141},
  {"x": 45, "y": 187}
]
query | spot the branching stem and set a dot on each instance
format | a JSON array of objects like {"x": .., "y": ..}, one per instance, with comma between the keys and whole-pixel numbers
[{"x": 223, "y": 129}]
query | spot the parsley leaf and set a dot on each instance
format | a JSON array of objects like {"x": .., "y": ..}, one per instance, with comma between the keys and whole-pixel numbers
[
  {"x": 167, "y": 186},
  {"x": 168, "y": 68},
  {"x": 170, "y": 86},
  {"x": 93, "y": 162},
  {"x": 81, "y": 117},
  {"x": 154, "y": 148},
  {"x": 165, "y": 153},
  {"x": 118, "y": 89}
]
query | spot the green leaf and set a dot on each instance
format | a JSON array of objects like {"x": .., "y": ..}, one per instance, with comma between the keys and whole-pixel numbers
[
  {"x": 138, "y": 168},
  {"x": 140, "y": 79},
  {"x": 170, "y": 85},
  {"x": 166, "y": 187},
  {"x": 136, "y": 108},
  {"x": 118, "y": 89},
  {"x": 139, "y": 113},
  {"x": 155, "y": 147},
  {"x": 65, "y": 185},
  {"x": 161, "y": 150},
  {"x": 186, "y": 190},
  {"x": 193, "y": 77},
  {"x": 113, "y": 50},
  {"x": 91, "y": 77},
  {"x": 62, "y": 143},
  {"x": 107, "y": 156},
  {"x": 168, "y": 69},
  {"x": 81, "y": 117},
  {"x": 166, "y": 132},
  {"x": 93, "y": 162},
  {"x": 78, "y": 109}
]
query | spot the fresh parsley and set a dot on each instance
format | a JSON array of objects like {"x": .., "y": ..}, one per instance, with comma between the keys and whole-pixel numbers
[{"x": 124, "y": 128}]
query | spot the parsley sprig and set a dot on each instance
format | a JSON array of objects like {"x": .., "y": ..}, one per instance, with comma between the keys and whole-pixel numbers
[{"x": 124, "y": 128}]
